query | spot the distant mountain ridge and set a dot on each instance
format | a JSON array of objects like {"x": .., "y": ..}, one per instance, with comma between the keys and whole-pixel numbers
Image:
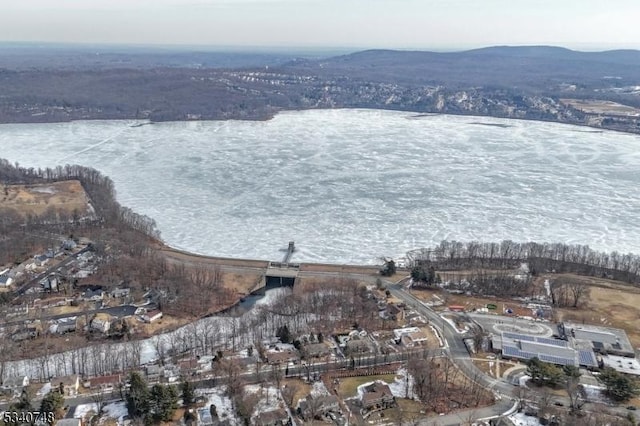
[
  {"x": 506, "y": 66},
  {"x": 525, "y": 82},
  {"x": 626, "y": 56}
]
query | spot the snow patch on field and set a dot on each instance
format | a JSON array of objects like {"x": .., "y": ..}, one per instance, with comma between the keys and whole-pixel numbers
[
  {"x": 521, "y": 419},
  {"x": 116, "y": 410},
  {"x": 319, "y": 389},
  {"x": 399, "y": 386},
  {"x": 223, "y": 404},
  {"x": 82, "y": 410},
  {"x": 44, "y": 389},
  {"x": 595, "y": 393},
  {"x": 269, "y": 399}
]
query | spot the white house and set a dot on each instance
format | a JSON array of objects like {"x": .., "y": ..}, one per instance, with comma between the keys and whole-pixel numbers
[
  {"x": 41, "y": 260},
  {"x": 15, "y": 383},
  {"x": 152, "y": 316},
  {"x": 120, "y": 292},
  {"x": 101, "y": 322},
  {"x": 70, "y": 384}
]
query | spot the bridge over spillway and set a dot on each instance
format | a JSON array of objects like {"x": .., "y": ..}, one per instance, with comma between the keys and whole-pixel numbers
[
  {"x": 283, "y": 273},
  {"x": 280, "y": 274}
]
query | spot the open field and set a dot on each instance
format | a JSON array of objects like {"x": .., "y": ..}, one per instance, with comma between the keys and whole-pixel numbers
[
  {"x": 163, "y": 325},
  {"x": 67, "y": 197},
  {"x": 602, "y": 107},
  {"x": 241, "y": 283},
  {"x": 610, "y": 304}
]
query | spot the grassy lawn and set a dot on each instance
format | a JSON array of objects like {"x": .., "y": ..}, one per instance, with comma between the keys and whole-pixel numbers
[
  {"x": 349, "y": 385},
  {"x": 303, "y": 389},
  {"x": 67, "y": 196}
]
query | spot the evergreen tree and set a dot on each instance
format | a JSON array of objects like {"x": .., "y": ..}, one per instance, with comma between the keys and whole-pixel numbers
[
  {"x": 544, "y": 373},
  {"x": 188, "y": 393},
  {"x": 163, "y": 402},
  {"x": 283, "y": 334},
  {"x": 137, "y": 397},
  {"x": 52, "y": 403},
  {"x": 571, "y": 371},
  {"x": 24, "y": 403},
  {"x": 213, "y": 412},
  {"x": 619, "y": 387}
]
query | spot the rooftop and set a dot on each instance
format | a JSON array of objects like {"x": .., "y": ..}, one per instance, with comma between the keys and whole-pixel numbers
[
  {"x": 602, "y": 339},
  {"x": 547, "y": 349}
]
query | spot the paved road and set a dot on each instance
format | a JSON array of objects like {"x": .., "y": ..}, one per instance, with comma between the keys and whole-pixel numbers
[
  {"x": 34, "y": 282},
  {"x": 458, "y": 353},
  {"x": 116, "y": 311}
]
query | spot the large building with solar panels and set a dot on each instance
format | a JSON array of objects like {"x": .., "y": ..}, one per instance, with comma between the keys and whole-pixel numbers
[
  {"x": 603, "y": 340},
  {"x": 581, "y": 345},
  {"x": 547, "y": 349}
]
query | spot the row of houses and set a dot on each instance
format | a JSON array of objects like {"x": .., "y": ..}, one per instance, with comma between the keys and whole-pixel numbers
[{"x": 67, "y": 385}]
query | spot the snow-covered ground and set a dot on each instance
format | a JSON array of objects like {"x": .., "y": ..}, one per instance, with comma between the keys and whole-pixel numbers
[
  {"x": 520, "y": 419},
  {"x": 223, "y": 404},
  {"x": 399, "y": 386},
  {"x": 102, "y": 359},
  {"x": 319, "y": 389},
  {"x": 321, "y": 181},
  {"x": 82, "y": 410},
  {"x": 595, "y": 394},
  {"x": 269, "y": 399},
  {"x": 116, "y": 410},
  {"x": 44, "y": 389}
]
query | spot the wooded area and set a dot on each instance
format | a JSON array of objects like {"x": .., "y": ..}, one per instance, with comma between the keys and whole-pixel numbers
[{"x": 540, "y": 257}]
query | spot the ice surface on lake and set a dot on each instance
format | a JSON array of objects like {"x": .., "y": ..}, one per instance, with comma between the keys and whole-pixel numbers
[{"x": 354, "y": 185}]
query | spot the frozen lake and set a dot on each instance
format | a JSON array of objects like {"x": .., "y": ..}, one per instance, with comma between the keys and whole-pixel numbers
[{"x": 353, "y": 185}]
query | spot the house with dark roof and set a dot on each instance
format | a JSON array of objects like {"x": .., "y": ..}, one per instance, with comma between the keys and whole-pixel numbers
[
  {"x": 318, "y": 406},
  {"x": 5, "y": 280},
  {"x": 316, "y": 350},
  {"x": 377, "y": 396},
  {"x": 278, "y": 417},
  {"x": 105, "y": 383},
  {"x": 357, "y": 346},
  {"x": 95, "y": 295},
  {"x": 282, "y": 357}
]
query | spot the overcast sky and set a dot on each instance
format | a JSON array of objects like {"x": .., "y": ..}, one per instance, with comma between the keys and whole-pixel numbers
[{"x": 435, "y": 24}]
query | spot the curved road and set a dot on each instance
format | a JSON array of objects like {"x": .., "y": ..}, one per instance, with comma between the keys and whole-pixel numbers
[{"x": 458, "y": 353}]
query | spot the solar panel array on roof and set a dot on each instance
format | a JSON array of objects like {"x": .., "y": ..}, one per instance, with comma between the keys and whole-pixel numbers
[
  {"x": 598, "y": 345},
  {"x": 557, "y": 359},
  {"x": 551, "y": 350},
  {"x": 516, "y": 336},
  {"x": 555, "y": 342},
  {"x": 587, "y": 358},
  {"x": 517, "y": 353},
  {"x": 601, "y": 336},
  {"x": 512, "y": 351}
]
